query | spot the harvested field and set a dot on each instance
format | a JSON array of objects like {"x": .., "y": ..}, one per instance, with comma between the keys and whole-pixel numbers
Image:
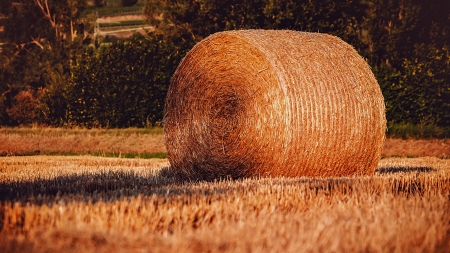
[
  {"x": 91, "y": 204},
  {"x": 417, "y": 148},
  {"x": 45, "y": 141}
]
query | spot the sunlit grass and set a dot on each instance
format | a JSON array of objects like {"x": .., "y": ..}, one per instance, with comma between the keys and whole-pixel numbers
[
  {"x": 149, "y": 143},
  {"x": 129, "y": 142},
  {"x": 59, "y": 132},
  {"x": 95, "y": 204}
]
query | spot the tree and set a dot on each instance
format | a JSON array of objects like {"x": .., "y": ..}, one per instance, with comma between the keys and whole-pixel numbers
[
  {"x": 42, "y": 39},
  {"x": 198, "y": 19},
  {"x": 27, "y": 109},
  {"x": 407, "y": 44}
]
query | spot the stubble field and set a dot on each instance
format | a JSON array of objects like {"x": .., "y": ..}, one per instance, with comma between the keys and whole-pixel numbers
[{"x": 99, "y": 204}]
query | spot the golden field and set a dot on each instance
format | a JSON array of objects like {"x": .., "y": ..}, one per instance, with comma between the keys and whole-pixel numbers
[
  {"x": 97, "y": 204},
  {"x": 136, "y": 141},
  {"x": 44, "y": 141}
]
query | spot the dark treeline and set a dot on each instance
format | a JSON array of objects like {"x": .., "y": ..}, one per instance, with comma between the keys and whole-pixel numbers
[{"x": 52, "y": 72}]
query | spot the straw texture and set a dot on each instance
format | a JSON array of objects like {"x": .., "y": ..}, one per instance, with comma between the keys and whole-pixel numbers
[{"x": 273, "y": 103}]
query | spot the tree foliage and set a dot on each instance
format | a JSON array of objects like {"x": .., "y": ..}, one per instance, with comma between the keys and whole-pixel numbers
[
  {"x": 42, "y": 39},
  {"x": 406, "y": 42},
  {"x": 199, "y": 19},
  {"x": 27, "y": 110}
]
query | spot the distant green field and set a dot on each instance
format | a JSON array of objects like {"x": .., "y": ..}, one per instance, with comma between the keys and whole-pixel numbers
[
  {"x": 123, "y": 23},
  {"x": 113, "y": 8},
  {"x": 111, "y": 11}
]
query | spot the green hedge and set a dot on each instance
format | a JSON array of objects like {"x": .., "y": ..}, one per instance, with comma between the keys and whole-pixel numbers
[{"x": 124, "y": 84}]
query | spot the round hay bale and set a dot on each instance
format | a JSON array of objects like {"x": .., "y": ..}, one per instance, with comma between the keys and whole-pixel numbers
[{"x": 273, "y": 103}]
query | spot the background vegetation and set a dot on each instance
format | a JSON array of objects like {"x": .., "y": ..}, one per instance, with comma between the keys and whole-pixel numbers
[
  {"x": 122, "y": 85},
  {"x": 52, "y": 72}
]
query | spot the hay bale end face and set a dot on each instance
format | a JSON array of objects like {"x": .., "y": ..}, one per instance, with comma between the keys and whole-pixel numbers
[{"x": 273, "y": 103}]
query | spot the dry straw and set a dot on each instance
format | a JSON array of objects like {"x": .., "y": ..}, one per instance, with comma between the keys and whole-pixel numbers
[{"x": 273, "y": 103}]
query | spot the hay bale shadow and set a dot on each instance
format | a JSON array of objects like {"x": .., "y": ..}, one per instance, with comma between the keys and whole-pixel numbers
[
  {"x": 416, "y": 169},
  {"x": 93, "y": 187}
]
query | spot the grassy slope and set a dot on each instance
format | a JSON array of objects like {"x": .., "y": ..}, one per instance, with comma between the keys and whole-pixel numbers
[{"x": 88, "y": 204}]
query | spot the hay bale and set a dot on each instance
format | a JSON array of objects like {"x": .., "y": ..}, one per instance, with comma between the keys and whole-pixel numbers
[{"x": 273, "y": 103}]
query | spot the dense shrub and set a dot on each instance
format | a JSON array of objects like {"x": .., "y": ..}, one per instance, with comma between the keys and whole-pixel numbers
[
  {"x": 123, "y": 84},
  {"x": 27, "y": 110}
]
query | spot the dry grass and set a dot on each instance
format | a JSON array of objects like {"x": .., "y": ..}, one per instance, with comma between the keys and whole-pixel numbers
[
  {"x": 87, "y": 204},
  {"x": 26, "y": 141},
  {"x": 417, "y": 148}
]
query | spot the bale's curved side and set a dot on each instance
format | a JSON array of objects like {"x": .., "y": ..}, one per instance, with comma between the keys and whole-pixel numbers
[{"x": 278, "y": 103}]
